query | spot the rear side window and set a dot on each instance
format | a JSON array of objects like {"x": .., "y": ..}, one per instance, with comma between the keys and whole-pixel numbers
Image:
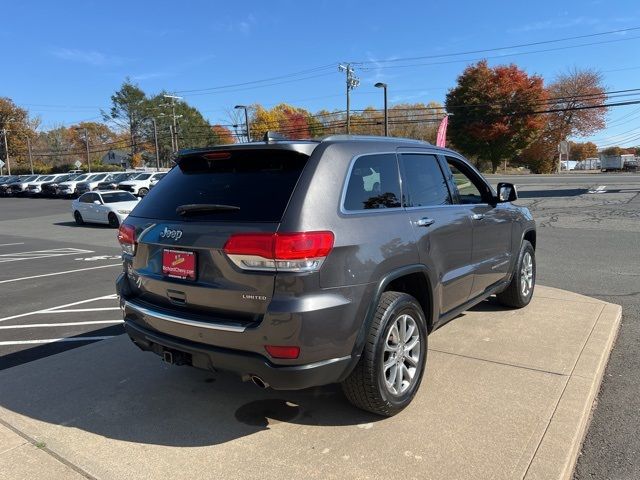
[
  {"x": 425, "y": 184},
  {"x": 373, "y": 183},
  {"x": 258, "y": 182}
]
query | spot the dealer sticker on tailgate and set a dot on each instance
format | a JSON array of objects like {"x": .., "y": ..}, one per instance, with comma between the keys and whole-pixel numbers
[{"x": 179, "y": 264}]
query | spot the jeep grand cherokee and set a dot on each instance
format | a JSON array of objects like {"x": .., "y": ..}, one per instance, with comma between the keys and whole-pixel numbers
[{"x": 302, "y": 263}]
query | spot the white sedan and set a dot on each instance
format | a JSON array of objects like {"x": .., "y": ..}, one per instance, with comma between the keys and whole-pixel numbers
[{"x": 110, "y": 207}]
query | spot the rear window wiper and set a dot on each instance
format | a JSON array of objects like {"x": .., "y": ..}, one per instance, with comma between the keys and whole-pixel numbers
[{"x": 196, "y": 208}]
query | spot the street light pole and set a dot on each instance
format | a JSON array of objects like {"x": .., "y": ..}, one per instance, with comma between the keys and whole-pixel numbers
[
  {"x": 155, "y": 137},
  {"x": 246, "y": 120},
  {"x": 30, "y": 157},
  {"x": 386, "y": 117},
  {"x": 86, "y": 141},
  {"x": 6, "y": 150}
]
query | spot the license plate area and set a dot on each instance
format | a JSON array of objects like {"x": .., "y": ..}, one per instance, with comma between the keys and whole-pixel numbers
[{"x": 179, "y": 264}]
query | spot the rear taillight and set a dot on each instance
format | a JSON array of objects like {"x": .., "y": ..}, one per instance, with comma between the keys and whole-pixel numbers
[
  {"x": 127, "y": 238},
  {"x": 285, "y": 252}
]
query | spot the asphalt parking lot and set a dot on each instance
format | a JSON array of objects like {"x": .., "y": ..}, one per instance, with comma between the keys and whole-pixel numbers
[{"x": 57, "y": 282}]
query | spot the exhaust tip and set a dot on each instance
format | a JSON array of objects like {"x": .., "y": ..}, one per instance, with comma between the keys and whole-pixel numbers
[{"x": 259, "y": 382}]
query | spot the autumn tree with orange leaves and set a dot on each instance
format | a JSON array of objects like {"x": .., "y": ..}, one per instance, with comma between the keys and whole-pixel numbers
[{"x": 489, "y": 111}]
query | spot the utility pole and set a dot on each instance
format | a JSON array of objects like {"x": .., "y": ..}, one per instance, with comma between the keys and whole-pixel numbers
[
  {"x": 246, "y": 120},
  {"x": 175, "y": 117},
  {"x": 173, "y": 145},
  {"x": 30, "y": 157},
  {"x": 155, "y": 137},
  {"x": 352, "y": 82},
  {"x": 86, "y": 141},
  {"x": 6, "y": 150}
]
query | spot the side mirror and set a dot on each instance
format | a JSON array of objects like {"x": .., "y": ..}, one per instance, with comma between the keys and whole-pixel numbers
[
  {"x": 507, "y": 192},
  {"x": 97, "y": 202}
]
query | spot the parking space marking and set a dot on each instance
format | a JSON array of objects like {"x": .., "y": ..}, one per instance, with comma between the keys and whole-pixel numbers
[
  {"x": 38, "y": 254},
  {"x": 54, "y": 340},
  {"x": 63, "y": 324},
  {"x": 54, "y": 309},
  {"x": 8, "y": 244},
  {"x": 599, "y": 189},
  {"x": 74, "y": 310},
  {"x": 59, "y": 273}
]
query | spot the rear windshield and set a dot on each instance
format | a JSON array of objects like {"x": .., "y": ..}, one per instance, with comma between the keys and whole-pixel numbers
[{"x": 259, "y": 182}]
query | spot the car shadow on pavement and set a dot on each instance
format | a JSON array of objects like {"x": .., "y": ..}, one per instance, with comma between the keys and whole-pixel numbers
[
  {"x": 112, "y": 389},
  {"x": 491, "y": 304},
  {"x": 73, "y": 224},
  {"x": 552, "y": 193}
]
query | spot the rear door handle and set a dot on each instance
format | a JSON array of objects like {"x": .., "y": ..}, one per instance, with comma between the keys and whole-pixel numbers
[
  {"x": 425, "y": 222},
  {"x": 477, "y": 216}
]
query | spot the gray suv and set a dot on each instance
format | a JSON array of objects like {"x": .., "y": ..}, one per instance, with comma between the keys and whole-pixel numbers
[{"x": 302, "y": 263}]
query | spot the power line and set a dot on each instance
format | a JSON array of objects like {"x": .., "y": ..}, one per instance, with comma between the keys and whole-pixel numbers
[
  {"x": 513, "y": 54},
  {"x": 484, "y": 50}
]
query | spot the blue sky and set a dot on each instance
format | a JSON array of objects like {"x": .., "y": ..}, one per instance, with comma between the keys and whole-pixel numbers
[{"x": 66, "y": 58}]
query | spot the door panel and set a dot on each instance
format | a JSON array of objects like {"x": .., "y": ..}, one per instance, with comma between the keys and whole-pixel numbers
[
  {"x": 443, "y": 230},
  {"x": 491, "y": 245},
  {"x": 491, "y": 257},
  {"x": 446, "y": 246}
]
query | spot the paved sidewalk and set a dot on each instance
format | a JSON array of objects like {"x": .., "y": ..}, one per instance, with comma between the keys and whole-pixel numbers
[{"x": 507, "y": 394}]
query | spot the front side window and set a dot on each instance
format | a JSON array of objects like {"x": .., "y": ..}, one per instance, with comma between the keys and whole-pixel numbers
[
  {"x": 373, "y": 183},
  {"x": 470, "y": 189},
  {"x": 425, "y": 184}
]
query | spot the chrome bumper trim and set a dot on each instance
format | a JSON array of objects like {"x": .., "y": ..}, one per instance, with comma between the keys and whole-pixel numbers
[{"x": 170, "y": 318}]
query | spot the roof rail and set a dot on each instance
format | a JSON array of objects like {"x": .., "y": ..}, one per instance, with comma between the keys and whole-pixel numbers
[{"x": 373, "y": 137}]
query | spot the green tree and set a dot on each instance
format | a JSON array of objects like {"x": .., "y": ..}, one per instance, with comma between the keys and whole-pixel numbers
[
  {"x": 128, "y": 111},
  {"x": 489, "y": 107}
]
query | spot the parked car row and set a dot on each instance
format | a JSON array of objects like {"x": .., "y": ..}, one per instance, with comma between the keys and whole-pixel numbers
[{"x": 69, "y": 185}]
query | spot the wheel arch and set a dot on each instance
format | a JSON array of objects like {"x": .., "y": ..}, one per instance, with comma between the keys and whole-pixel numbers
[{"x": 412, "y": 278}]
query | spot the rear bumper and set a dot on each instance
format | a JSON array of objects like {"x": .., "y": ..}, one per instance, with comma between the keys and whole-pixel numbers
[{"x": 245, "y": 364}]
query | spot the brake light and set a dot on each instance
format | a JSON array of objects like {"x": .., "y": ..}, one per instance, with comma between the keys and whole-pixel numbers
[
  {"x": 287, "y": 252},
  {"x": 127, "y": 238},
  {"x": 282, "y": 351}
]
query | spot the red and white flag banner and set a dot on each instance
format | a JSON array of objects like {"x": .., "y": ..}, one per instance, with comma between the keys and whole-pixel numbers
[{"x": 441, "y": 139}]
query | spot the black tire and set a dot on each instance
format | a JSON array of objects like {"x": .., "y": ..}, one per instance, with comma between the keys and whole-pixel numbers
[
  {"x": 514, "y": 295},
  {"x": 366, "y": 386},
  {"x": 143, "y": 192},
  {"x": 113, "y": 220},
  {"x": 78, "y": 218}
]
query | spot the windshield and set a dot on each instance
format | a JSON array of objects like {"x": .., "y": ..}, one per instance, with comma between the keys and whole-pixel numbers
[
  {"x": 142, "y": 176},
  {"x": 121, "y": 177},
  {"x": 81, "y": 178},
  {"x": 118, "y": 197}
]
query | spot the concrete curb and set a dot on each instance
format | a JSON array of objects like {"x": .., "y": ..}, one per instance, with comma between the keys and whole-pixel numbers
[{"x": 560, "y": 446}]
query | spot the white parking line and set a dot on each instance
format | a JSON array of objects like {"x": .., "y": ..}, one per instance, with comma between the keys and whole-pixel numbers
[
  {"x": 59, "y": 273},
  {"x": 53, "y": 309},
  {"x": 63, "y": 324},
  {"x": 54, "y": 340},
  {"x": 7, "y": 244},
  {"x": 39, "y": 254},
  {"x": 73, "y": 310}
]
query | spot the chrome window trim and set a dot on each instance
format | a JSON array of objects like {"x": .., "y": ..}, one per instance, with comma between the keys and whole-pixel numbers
[{"x": 345, "y": 184}]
